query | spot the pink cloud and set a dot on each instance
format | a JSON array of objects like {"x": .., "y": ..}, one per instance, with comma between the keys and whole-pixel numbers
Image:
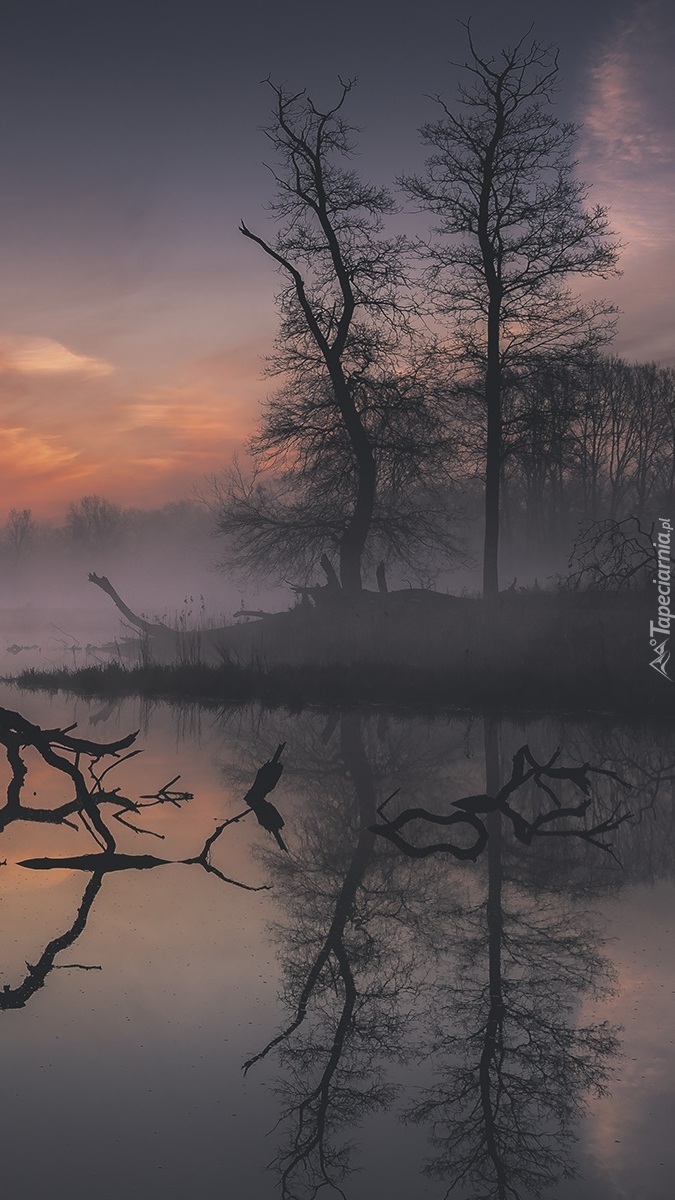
[{"x": 627, "y": 151}]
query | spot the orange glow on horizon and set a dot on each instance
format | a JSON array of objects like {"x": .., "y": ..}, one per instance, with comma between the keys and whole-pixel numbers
[{"x": 69, "y": 428}]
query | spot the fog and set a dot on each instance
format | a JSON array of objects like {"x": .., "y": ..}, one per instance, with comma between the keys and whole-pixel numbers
[
  {"x": 163, "y": 563},
  {"x": 166, "y": 564}
]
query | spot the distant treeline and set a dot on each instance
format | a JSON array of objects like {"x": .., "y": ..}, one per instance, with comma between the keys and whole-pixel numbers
[
  {"x": 583, "y": 444},
  {"x": 97, "y": 528}
]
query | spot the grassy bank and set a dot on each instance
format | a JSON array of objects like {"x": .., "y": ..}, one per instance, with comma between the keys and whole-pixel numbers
[{"x": 530, "y": 653}]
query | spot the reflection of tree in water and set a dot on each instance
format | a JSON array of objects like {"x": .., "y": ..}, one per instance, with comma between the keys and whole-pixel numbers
[
  {"x": 515, "y": 1067},
  {"x": 362, "y": 926},
  {"x": 36, "y": 974},
  {"x": 350, "y": 968},
  {"x": 84, "y": 765},
  {"x": 645, "y": 758},
  {"x": 377, "y": 944}
]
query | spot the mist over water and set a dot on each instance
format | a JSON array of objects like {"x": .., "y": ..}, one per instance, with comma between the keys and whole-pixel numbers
[{"x": 164, "y": 564}]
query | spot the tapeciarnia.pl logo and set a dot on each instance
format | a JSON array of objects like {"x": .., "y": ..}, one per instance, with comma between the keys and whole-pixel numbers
[{"x": 662, "y": 624}]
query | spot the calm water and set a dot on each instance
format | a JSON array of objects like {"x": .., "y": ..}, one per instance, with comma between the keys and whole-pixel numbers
[{"x": 503, "y": 1026}]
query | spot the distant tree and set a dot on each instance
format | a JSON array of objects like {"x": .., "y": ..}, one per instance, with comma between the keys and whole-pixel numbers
[
  {"x": 94, "y": 523},
  {"x": 539, "y": 486},
  {"x": 512, "y": 226},
  {"x": 624, "y": 437},
  {"x": 20, "y": 532},
  {"x": 340, "y": 313}
]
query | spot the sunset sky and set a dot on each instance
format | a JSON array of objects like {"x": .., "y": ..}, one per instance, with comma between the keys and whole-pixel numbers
[{"x": 133, "y": 316}]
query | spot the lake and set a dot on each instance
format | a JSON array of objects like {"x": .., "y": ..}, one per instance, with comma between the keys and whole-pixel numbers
[{"x": 500, "y": 1023}]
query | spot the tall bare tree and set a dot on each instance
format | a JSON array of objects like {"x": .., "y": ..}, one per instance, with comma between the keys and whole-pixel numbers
[
  {"x": 512, "y": 226},
  {"x": 340, "y": 303}
]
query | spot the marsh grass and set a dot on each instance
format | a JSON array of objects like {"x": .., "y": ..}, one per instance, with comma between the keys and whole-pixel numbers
[{"x": 550, "y": 652}]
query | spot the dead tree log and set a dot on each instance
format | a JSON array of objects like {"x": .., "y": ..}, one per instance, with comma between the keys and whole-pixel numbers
[{"x": 149, "y": 627}]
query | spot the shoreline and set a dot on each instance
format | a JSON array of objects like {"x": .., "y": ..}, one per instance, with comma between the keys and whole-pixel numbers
[{"x": 392, "y": 686}]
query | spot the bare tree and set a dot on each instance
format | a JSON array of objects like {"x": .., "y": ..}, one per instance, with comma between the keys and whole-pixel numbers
[
  {"x": 20, "y": 532},
  {"x": 94, "y": 523},
  {"x": 512, "y": 225},
  {"x": 340, "y": 307}
]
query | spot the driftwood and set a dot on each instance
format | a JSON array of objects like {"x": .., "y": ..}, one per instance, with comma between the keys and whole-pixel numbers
[
  {"x": 149, "y": 627},
  {"x": 167, "y": 643}
]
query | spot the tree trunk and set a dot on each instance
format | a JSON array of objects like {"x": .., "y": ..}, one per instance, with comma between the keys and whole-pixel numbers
[
  {"x": 490, "y": 252},
  {"x": 353, "y": 542},
  {"x": 493, "y": 457},
  {"x": 355, "y": 536}
]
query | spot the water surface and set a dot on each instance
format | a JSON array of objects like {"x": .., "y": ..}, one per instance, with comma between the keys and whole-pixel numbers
[{"x": 501, "y": 1026}]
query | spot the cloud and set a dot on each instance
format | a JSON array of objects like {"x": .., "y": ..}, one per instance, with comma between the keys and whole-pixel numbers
[
  {"x": 621, "y": 117},
  {"x": 27, "y": 355},
  {"x": 627, "y": 151},
  {"x": 34, "y": 466},
  {"x": 25, "y": 452},
  {"x": 76, "y": 431}
]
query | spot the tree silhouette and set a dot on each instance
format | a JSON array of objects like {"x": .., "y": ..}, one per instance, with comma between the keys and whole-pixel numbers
[
  {"x": 512, "y": 226},
  {"x": 340, "y": 309}
]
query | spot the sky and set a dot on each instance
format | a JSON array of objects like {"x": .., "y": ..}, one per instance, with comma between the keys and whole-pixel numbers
[{"x": 133, "y": 315}]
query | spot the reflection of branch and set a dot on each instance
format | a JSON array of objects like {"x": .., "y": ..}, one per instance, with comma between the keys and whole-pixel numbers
[
  {"x": 163, "y": 795},
  {"x": 99, "y": 864},
  {"x": 203, "y": 859},
  {"x": 54, "y": 746},
  {"x": 15, "y": 733},
  {"x": 525, "y": 769},
  {"x": 115, "y": 861},
  {"x": 265, "y": 781},
  {"x": 390, "y": 830},
  {"x": 19, "y": 996}
]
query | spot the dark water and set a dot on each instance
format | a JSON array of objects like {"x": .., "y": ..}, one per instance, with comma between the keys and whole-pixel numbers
[{"x": 502, "y": 1026}]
